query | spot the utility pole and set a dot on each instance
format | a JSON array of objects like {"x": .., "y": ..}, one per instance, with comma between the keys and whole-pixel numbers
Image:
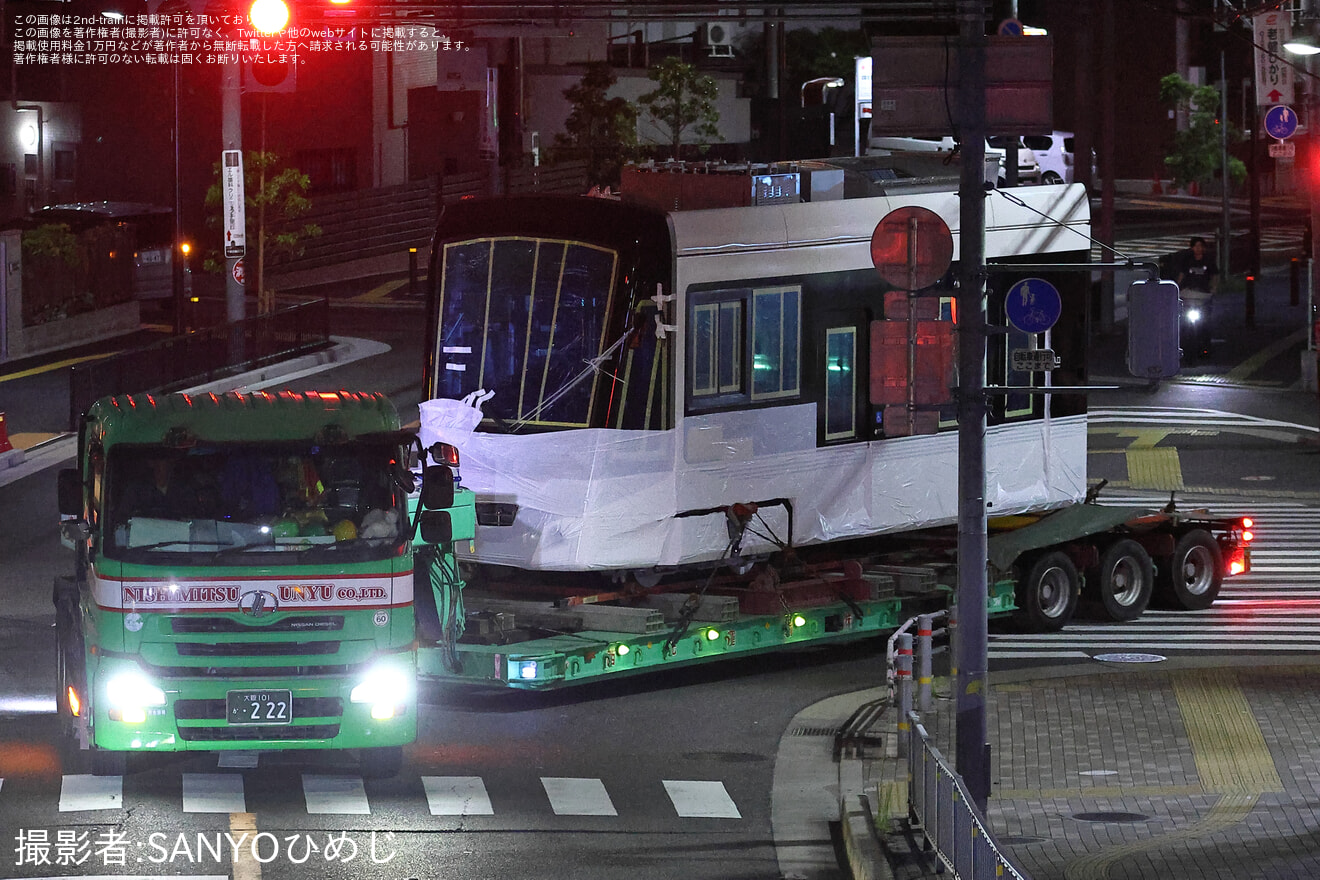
[{"x": 972, "y": 756}]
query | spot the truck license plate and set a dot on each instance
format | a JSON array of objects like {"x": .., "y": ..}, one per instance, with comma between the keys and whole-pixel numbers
[{"x": 259, "y": 707}]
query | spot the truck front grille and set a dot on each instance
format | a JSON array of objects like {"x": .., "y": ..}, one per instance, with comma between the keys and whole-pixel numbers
[
  {"x": 221, "y": 672},
  {"x": 242, "y": 733},
  {"x": 311, "y": 623},
  {"x": 256, "y": 649}
]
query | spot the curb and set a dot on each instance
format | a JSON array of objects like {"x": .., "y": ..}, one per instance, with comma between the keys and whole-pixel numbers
[
  {"x": 866, "y": 858},
  {"x": 11, "y": 458}
]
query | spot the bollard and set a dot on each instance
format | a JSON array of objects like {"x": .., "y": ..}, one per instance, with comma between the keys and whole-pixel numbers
[
  {"x": 5, "y": 445},
  {"x": 412, "y": 271},
  {"x": 925, "y": 649},
  {"x": 903, "y": 675}
]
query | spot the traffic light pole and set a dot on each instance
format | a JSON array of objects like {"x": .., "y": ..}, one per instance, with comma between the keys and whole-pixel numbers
[
  {"x": 232, "y": 137},
  {"x": 972, "y": 758}
]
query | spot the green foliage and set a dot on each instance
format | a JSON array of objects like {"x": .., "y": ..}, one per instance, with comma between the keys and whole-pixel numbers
[
  {"x": 51, "y": 241},
  {"x": 1197, "y": 151},
  {"x": 683, "y": 99},
  {"x": 601, "y": 129},
  {"x": 275, "y": 196}
]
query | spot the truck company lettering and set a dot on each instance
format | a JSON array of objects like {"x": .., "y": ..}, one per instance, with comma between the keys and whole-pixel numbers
[
  {"x": 305, "y": 592},
  {"x": 173, "y": 594}
]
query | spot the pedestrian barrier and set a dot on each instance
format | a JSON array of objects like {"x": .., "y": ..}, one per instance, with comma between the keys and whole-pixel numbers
[
  {"x": 5, "y": 445},
  {"x": 940, "y": 807}
]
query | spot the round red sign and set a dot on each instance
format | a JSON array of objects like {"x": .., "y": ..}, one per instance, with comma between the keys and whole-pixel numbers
[
  {"x": 238, "y": 271},
  {"x": 912, "y": 247}
]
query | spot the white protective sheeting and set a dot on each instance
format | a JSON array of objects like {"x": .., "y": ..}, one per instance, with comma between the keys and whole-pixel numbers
[{"x": 601, "y": 499}]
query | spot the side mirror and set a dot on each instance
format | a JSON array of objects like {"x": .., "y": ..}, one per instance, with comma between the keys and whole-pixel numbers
[
  {"x": 437, "y": 487},
  {"x": 1154, "y": 320},
  {"x": 437, "y": 527},
  {"x": 69, "y": 492}
]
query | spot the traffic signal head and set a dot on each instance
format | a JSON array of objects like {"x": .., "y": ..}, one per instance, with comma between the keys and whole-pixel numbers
[{"x": 269, "y": 17}]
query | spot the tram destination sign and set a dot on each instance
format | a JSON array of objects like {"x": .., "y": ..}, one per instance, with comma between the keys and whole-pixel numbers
[{"x": 1034, "y": 360}]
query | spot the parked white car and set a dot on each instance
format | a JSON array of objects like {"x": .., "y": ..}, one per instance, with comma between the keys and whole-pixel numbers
[
  {"x": 1028, "y": 170},
  {"x": 1054, "y": 154}
]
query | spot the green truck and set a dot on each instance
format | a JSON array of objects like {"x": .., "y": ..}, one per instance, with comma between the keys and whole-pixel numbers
[{"x": 244, "y": 576}]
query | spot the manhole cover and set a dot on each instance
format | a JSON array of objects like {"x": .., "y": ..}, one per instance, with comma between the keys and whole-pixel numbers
[
  {"x": 1112, "y": 817},
  {"x": 1128, "y": 658},
  {"x": 1019, "y": 841}
]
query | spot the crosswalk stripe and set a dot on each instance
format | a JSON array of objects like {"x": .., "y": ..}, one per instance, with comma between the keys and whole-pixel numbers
[
  {"x": 701, "y": 799},
  {"x": 457, "y": 796},
  {"x": 85, "y": 792},
  {"x": 571, "y": 796},
  {"x": 344, "y": 795},
  {"x": 213, "y": 793}
]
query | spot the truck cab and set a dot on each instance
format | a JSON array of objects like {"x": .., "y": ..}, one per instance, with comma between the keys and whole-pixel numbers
[{"x": 243, "y": 577}]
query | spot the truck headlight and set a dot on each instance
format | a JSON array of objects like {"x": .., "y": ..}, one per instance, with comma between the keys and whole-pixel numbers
[
  {"x": 385, "y": 688},
  {"x": 128, "y": 695}
]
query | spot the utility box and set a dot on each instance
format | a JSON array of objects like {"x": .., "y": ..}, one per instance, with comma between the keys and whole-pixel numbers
[{"x": 1154, "y": 318}]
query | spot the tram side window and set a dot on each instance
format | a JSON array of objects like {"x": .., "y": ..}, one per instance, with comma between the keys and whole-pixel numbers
[
  {"x": 745, "y": 345},
  {"x": 776, "y": 317}
]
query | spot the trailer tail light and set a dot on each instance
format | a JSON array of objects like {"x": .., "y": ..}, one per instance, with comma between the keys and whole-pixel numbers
[
  {"x": 1247, "y": 525},
  {"x": 1238, "y": 561},
  {"x": 75, "y": 704}
]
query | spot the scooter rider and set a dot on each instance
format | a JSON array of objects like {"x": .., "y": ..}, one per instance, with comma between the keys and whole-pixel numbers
[{"x": 1198, "y": 279}]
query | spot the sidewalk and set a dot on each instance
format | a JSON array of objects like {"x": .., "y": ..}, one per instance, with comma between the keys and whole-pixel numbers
[{"x": 1178, "y": 769}]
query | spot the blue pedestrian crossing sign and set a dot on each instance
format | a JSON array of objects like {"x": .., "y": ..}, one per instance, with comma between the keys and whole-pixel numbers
[
  {"x": 1033, "y": 305},
  {"x": 1280, "y": 121}
]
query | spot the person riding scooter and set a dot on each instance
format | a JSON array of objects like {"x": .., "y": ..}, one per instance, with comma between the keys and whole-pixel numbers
[{"x": 1198, "y": 278}]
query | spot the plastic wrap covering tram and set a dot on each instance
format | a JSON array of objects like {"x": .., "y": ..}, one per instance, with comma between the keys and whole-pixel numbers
[
  {"x": 694, "y": 434},
  {"x": 638, "y": 372}
]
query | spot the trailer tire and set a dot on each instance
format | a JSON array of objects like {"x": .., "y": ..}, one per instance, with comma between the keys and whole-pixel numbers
[
  {"x": 1190, "y": 579},
  {"x": 380, "y": 762},
  {"x": 1123, "y": 581},
  {"x": 1047, "y": 596}
]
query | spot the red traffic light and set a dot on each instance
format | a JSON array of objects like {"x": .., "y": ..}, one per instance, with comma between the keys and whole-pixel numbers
[{"x": 269, "y": 16}]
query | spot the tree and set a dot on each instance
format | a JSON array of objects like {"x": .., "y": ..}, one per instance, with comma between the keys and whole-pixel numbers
[
  {"x": 1198, "y": 150},
  {"x": 601, "y": 129},
  {"x": 275, "y": 196},
  {"x": 682, "y": 99}
]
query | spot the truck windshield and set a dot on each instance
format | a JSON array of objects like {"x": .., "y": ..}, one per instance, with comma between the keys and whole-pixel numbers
[
  {"x": 284, "y": 502},
  {"x": 525, "y": 317}
]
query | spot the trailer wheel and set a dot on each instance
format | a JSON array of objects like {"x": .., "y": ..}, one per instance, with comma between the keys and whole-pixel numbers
[
  {"x": 1124, "y": 580},
  {"x": 381, "y": 762},
  {"x": 1193, "y": 574},
  {"x": 1047, "y": 596}
]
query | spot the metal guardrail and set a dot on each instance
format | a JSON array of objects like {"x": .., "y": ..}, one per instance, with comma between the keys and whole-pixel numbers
[
  {"x": 947, "y": 816},
  {"x": 201, "y": 356}
]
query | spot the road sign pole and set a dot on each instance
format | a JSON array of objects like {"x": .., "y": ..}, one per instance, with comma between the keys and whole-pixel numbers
[{"x": 232, "y": 137}]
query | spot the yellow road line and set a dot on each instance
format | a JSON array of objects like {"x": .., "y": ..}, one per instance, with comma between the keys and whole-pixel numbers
[
  {"x": 57, "y": 365},
  {"x": 381, "y": 292},
  {"x": 1154, "y": 468},
  {"x": 1266, "y": 354}
]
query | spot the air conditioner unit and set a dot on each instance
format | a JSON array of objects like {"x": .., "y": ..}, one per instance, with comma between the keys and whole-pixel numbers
[{"x": 719, "y": 38}]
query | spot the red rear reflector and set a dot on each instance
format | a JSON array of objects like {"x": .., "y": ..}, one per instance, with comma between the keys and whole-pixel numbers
[{"x": 1237, "y": 562}]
